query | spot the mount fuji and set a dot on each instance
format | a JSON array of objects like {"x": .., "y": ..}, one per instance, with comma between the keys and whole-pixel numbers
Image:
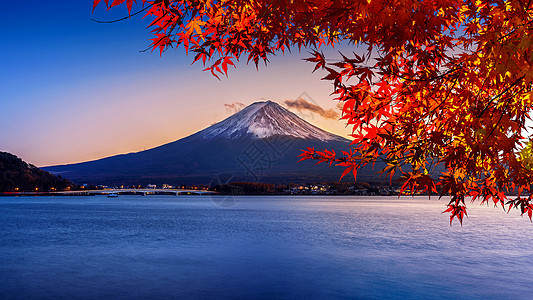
[
  {"x": 260, "y": 143},
  {"x": 262, "y": 120}
]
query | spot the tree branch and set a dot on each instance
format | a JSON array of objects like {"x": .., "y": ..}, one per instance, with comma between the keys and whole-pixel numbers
[{"x": 122, "y": 19}]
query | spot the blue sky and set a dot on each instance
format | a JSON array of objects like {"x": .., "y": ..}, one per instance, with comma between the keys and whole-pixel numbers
[{"x": 74, "y": 90}]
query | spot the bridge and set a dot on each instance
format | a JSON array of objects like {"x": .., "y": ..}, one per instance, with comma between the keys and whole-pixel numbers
[{"x": 143, "y": 192}]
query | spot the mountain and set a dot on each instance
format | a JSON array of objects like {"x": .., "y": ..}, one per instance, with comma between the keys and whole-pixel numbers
[
  {"x": 17, "y": 175},
  {"x": 261, "y": 143},
  {"x": 262, "y": 120}
]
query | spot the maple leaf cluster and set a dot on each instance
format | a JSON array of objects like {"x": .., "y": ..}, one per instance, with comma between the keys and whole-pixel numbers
[{"x": 430, "y": 83}]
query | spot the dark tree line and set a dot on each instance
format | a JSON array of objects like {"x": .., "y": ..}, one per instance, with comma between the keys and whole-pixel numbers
[
  {"x": 17, "y": 175},
  {"x": 245, "y": 188}
]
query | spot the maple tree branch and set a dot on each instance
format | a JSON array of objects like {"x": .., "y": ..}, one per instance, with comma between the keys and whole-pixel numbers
[
  {"x": 514, "y": 29},
  {"x": 364, "y": 160},
  {"x": 443, "y": 100},
  {"x": 448, "y": 94},
  {"x": 500, "y": 95},
  {"x": 427, "y": 79},
  {"x": 501, "y": 116},
  {"x": 122, "y": 19}
]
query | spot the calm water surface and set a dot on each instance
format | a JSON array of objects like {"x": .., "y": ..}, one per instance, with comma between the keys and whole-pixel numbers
[{"x": 161, "y": 247}]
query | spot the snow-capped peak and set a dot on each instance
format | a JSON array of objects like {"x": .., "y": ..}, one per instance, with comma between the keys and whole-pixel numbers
[{"x": 263, "y": 120}]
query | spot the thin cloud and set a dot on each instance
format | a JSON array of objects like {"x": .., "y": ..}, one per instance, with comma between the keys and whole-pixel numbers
[
  {"x": 234, "y": 107},
  {"x": 303, "y": 105}
]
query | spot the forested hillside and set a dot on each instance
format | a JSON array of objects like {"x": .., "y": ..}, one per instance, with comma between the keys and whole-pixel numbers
[{"x": 17, "y": 175}]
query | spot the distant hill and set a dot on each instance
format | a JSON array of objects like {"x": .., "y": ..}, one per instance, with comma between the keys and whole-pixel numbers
[
  {"x": 17, "y": 175},
  {"x": 261, "y": 143}
]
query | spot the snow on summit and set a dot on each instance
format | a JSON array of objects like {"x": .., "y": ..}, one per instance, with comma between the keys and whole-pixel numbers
[{"x": 263, "y": 120}]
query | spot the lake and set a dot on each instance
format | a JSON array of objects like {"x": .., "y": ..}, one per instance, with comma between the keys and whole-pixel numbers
[{"x": 161, "y": 247}]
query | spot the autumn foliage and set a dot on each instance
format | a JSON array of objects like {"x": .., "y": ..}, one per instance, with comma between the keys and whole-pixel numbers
[{"x": 428, "y": 83}]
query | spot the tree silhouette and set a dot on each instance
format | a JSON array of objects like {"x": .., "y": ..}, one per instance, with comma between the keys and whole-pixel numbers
[{"x": 18, "y": 176}]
